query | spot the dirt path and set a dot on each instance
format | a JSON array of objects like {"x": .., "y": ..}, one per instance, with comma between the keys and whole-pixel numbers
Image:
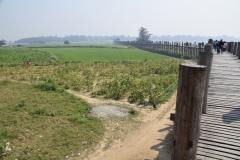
[{"x": 152, "y": 140}]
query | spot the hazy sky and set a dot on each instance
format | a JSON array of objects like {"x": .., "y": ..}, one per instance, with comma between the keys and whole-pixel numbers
[{"x": 31, "y": 18}]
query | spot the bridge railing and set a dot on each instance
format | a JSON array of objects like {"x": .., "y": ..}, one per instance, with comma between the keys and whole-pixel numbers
[
  {"x": 234, "y": 48},
  {"x": 173, "y": 49}
]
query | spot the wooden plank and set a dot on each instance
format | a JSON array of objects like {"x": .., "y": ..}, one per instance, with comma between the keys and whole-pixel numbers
[
  {"x": 229, "y": 146},
  {"x": 223, "y": 104},
  {"x": 213, "y": 130},
  {"x": 229, "y": 128},
  {"x": 226, "y": 108},
  {"x": 221, "y": 151},
  {"x": 217, "y": 140},
  {"x": 202, "y": 155},
  {"x": 224, "y": 111},
  {"x": 219, "y": 120},
  {"x": 220, "y": 129},
  {"x": 223, "y": 117},
  {"x": 221, "y": 136},
  {"x": 224, "y": 99}
]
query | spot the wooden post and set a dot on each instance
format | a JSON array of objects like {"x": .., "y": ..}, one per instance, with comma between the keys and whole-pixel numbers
[
  {"x": 210, "y": 41},
  {"x": 235, "y": 48},
  {"x": 232, "y": 47},
  {"x": 205, "y": 58},
  {"x": 190, "y": 93},
  {"x": 202, "y": 47},
  {"x": 228, "y": 47},
  {"x": 238, "y": 50}
]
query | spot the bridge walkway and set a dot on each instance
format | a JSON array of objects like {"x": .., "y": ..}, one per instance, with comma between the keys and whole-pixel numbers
[{"x": 220, "y": 127}]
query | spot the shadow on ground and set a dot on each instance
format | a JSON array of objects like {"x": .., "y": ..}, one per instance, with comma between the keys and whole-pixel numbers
[
  {"x": 232, "y": 116},
  {"x": 164, "y": 147}
]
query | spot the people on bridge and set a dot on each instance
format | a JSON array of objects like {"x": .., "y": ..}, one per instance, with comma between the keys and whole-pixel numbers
[
  {"x": 218, "y": 47},
  {"x": 224, "y": 46},
  {"x": 221, "y": 46},
  {"x": 215, "y": 45}
]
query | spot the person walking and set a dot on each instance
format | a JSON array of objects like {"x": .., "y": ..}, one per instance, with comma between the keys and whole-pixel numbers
[
  {"x": 218, "y": 47},
  {"x": 215, "y": 45},
  {"x": 224, "y": 46},
  {"x": 221, "y": 46}
]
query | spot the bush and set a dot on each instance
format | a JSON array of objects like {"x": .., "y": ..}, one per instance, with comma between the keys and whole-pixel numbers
[
  {"x": 46, "y": 86},
  {"x": 2, "y": 151}
]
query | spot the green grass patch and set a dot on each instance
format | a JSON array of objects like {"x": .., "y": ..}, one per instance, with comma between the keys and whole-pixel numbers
[
  {"x": 102, "y": 54},
  {"x": 18, "y": 55},
  {"x": 44, "y": 124}
]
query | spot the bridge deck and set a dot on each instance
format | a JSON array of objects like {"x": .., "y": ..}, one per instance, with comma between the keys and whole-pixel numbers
[{"x": 220, "y": 127}]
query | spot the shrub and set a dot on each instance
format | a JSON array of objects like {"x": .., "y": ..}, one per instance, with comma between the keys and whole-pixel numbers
[
  {"x": 46, "y": 86},
  {"x": 2, "y": 151}
]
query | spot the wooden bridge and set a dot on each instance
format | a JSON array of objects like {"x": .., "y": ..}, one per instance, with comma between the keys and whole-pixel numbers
[{"x": 220, "y": 127}]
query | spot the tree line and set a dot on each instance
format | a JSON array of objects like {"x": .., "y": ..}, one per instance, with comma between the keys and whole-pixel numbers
[{"x": 72, "y": 38}]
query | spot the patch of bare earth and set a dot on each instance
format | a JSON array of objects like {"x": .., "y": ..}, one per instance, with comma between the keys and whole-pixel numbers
[{"x": 150, "y": 140}]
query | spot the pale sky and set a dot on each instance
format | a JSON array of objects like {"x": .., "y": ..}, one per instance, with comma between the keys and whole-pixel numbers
[{"x": 32, "y": 18}]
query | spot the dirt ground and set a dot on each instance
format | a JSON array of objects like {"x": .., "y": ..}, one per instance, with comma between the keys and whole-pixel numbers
[{"x": 151, "y": 141}]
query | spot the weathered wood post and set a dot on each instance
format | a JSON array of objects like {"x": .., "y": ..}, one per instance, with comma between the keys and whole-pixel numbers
[
  {"x": 199, "y": 47},
  {"x": 232, "y": 47},
  {"x": 235, "y": 49},
  {"x": 191, "y": 53},
  {"x": 187, "y": 119},
  {"x": 229, "y": 48},
  {"x": 202, "y": 46},
  {"x": 205, "y": 58},
  {"x": 238, "y": 50}
]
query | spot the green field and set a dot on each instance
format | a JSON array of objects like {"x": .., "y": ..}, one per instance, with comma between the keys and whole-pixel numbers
[
  {"x": 101, "y": 54},
  {"x": 44, "y": 124},
  {"x": 18, "y": 55},
  {"x": 42, "y": 121},
  {"x": 80, "y": 53}
]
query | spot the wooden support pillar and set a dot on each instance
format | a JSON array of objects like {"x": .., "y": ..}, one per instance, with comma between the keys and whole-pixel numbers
[
  {"x": 232, "y": 47},
  {"x": 238, "y": 50},
  {"x": 202, "y": 47},
  {"x": 205, "y": 58},
  {"x": 190, "y": 93},
  {"x": 191, "y": 50},
  {"x": 235, "y": 48},
  {"x": 210, "y": 41}
]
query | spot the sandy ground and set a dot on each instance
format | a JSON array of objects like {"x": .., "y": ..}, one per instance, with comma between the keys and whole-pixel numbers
[{"x": 151, "y": 141}]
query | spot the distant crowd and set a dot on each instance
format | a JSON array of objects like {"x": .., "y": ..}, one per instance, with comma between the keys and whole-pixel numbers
[{"x": 220, "y": 46}]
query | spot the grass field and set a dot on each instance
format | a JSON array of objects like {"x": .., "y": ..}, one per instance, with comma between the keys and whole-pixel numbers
[
  {"x": 41, "y": 120},
  {"x": 44, "y": 124},
  {"x": 101, "y": 54},
  {"x": 18, "y": 55},
  {"x": 81, "y": 53}
]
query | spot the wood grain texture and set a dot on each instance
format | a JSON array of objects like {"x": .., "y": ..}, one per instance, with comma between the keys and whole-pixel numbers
[{"x": 188, "y": 111}]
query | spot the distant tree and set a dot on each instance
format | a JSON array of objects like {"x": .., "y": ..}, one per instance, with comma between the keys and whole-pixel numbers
[
  {"x": 66, "y": 42},
  {"x": 2, "y": 42},
  {"x": 143, "y": 35}
]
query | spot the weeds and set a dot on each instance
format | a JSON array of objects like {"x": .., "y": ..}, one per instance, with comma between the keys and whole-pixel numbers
[{"x": 46, "y": 86}]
